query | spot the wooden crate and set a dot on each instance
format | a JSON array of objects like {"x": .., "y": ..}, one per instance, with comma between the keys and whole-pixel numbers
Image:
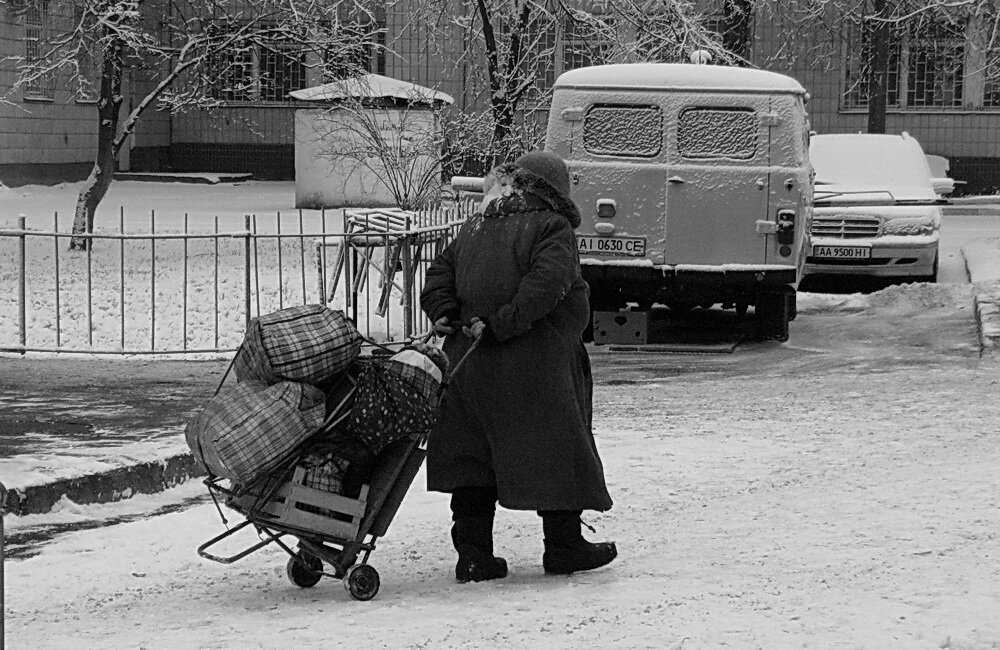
[{"x": 295, "y": 506}]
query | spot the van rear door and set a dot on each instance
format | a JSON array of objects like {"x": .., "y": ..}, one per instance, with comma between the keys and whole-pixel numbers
[{"x": 718, "y": 179}]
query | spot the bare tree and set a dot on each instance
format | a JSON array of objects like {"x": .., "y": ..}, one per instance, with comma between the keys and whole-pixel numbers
[
  {"x": 512, "y": 50},
  {"x": 813, "y": 32},
  {"x": 395, "y": 142},
  {"x": 195, "y": 54}
]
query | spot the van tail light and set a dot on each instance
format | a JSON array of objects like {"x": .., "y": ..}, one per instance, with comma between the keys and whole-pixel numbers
[
  {"x": 606, "y": 208},
  {"x": 786, "y": 227}
]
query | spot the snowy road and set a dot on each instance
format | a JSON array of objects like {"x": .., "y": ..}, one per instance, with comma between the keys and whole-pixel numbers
[
  {"x": 957, "y": 230},
  {"x": 837, "y": 491}
]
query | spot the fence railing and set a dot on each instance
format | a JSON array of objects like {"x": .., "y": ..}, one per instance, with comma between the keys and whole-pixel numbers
[{"x": 180, "y": 287}]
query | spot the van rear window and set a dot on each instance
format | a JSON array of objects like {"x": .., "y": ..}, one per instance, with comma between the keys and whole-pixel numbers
[
  {"x": 717, "y": 133},
  {"x": 617, "y": 130}
]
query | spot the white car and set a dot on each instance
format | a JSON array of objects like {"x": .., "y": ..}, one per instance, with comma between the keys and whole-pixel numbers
[{"x": 876, "y": 208}]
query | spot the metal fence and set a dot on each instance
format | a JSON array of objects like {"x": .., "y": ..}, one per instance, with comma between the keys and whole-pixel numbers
[{"x": 180, "y": 287}]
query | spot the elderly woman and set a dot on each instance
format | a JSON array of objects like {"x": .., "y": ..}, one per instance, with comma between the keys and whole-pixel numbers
[{"x": 515, "y": 423}]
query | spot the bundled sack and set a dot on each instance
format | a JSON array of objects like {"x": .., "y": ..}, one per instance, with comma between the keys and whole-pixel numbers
[
  {"x": 396, "y": 397},
  {"x": 337, "y": 464},
  {"x": 246, "y": 432},
  {"x": 307, "y": 343}
]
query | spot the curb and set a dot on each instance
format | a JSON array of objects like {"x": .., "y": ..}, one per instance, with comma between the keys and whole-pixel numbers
[
  {"x": 987, "y": 322},
  {"x": 167, "y": 177},
  {"x": 148, "y": 477}
]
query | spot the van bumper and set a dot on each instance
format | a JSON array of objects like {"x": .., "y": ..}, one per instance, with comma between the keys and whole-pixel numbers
[{"x": 614, "y": 285}]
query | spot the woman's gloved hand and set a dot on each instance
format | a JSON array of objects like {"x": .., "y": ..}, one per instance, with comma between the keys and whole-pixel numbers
[
  {"x": 442, "y": 326},
  {"x": 475, "y": 329}
]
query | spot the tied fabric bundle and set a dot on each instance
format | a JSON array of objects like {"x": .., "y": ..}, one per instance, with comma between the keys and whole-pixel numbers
[
  {"x": 306, "y": 343},
  {"x": 396, "y": 397},
  {"x": 246, "y": 432}
]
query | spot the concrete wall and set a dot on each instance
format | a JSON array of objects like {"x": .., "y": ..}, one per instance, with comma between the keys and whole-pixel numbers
[{"x": 329, "y": 172}]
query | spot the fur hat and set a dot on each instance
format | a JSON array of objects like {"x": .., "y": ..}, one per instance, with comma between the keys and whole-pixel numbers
[{"x": 549, "y": 167}]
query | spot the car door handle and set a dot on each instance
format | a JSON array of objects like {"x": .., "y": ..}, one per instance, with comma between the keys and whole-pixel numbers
[{"x": 676, "y": 180}]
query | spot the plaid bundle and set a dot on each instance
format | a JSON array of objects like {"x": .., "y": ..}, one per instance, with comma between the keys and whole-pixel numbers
[
  {"x": 324, "y": 473},
  {"x": 307, "y": 343},
  {"x": 394, "y": 398},
  {"x": 244, "y": 433}
]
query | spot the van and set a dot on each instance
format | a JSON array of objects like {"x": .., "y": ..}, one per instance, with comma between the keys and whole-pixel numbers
[{"x": 694, "y": 183}]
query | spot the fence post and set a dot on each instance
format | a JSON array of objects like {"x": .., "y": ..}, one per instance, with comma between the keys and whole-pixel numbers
[
  {"x": 406, "y": 243},
  {"x": 3, "y": 511},
  {"x": 22, "y": 301},
  {"x": 246, "y": 270}
]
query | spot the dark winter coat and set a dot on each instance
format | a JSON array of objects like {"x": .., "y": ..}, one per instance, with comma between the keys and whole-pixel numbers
[{"x": 517, "y": 414}]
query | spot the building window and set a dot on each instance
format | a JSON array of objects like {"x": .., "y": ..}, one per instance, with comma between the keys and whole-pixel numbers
[
  {"x": 282, "y": 69},
  {"x": 41, "y": 83},
  {"x": 587, "y": 42},
  {"x": 926, "y": 67},
  {"x": 258, "y": 72},
  {"x": 361, "y": 44}
]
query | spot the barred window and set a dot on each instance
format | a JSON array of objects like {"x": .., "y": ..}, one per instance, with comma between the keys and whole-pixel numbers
[
  {"x": 236, "y": 79},
  {"x": 707, "y": 133},
  {"x": 248, "y": 72},
  {"x": 857, "y": 73},
  {"x": 616, "y": 130},
  {"x": 926, "y": 66},
  {"x": 282, "y": 70},
  {"x": 588, "y": 42},
  {"x": 41, "y": 84},
  {"x": 936, "y": 55},
  {"x": 361, "y": 47}
]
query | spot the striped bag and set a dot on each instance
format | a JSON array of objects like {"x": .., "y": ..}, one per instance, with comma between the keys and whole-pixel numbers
[
  {"x": 306, "y": 343},
  {"x": 249, "y": 430}
]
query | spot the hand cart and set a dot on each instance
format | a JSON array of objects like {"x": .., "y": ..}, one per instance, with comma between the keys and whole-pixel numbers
[{"x": 332, "y": 530}]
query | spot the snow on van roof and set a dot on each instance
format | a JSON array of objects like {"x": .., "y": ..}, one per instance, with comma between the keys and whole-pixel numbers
[{"x": 679, "y": 75}]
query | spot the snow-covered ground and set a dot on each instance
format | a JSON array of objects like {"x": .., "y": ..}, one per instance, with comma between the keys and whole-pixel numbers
[{"x": 837, "y": 491}]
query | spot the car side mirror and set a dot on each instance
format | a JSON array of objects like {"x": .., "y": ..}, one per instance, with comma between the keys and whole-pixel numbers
[{"x": 943, "y": 185}]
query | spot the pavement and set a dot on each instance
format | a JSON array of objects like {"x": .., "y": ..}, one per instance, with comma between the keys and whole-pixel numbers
[{"x": 97, "y": 429}]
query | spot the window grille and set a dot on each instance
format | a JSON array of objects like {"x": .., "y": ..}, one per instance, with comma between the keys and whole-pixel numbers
[
  {"x": 361, "y": 48},
  {"x": 712, "y": 133},
  {"x": 857, "y": 73},
  {"x": 925, "y": 70},
  {"x": 282, "y": 70},
  {"x": 36, "y": 19},
  {"x": 632, "y": 131},
  {"x": 587, "y": 42},
  {"x": 650, "y": 39},
  {"x": 235, "y": 70}
]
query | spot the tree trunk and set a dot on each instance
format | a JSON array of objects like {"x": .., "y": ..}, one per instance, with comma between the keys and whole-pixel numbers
[
  {"x": 737, "y": 35},
  {"x": 878, "y": 67},
  {"x": 99, "y": 180}
]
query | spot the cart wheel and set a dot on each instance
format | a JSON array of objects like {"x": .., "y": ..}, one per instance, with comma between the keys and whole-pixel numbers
[
  {"x": 362, "y": 582},
  {"x": 304, "y": 569}
]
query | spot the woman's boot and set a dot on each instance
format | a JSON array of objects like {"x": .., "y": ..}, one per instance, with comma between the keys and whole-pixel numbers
[
  {"x": 473, "y": 509},
  {"x": 473, "y": 539},
  {"x": 566, "y": 551}
]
